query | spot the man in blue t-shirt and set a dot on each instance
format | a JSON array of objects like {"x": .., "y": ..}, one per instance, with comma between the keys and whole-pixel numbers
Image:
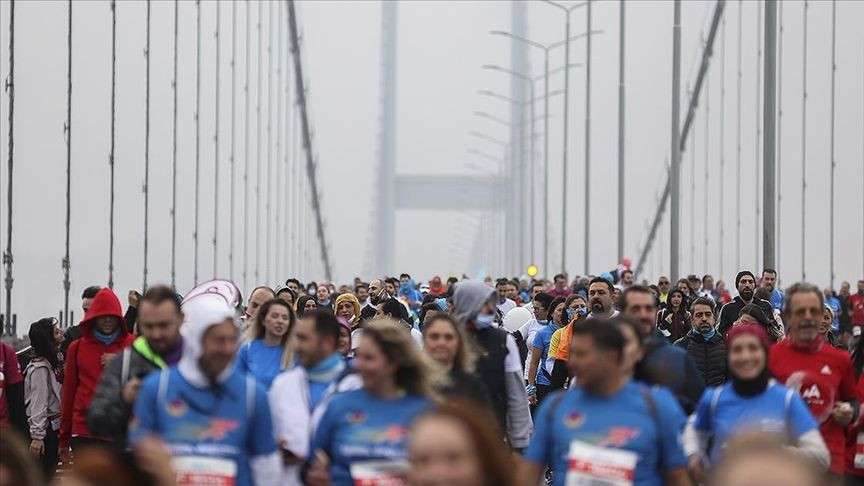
[
  {"x": 607, "y": 429},
  {"x": 214, "y": 419}
]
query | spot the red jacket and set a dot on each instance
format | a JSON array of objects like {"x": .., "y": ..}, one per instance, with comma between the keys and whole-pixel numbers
[
  {"x": 84, "y": 366},
  {"x": 855, "y": 440},
  {"x": 828, "y": 370}
]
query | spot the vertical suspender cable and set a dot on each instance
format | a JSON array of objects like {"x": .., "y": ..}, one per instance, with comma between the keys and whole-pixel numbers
[
  {"x": 258, "y": 155},
  {"x": 267, "y": 243},
  {"x": 706, "y": 144},
  {"x": 67, "y": 284},
  {"x": 10, "y": 90},
  {"x": 692, "y": 205},
  {"x": 289, "y": 268},
  {"x": 246, "y": 158},
  {"x": 197, "y": 135},
  {"x": 233, "y": 107},
  {"x": 833, "y": 162},
  {"x": 174, "y": 160},
  {"x": 278, "y": 249},
  {"x": 587, "y": 228},
  {"x": 146, "y": 147},
  {"x": 738, "y": 149},
  {"x": 757, "y": 159},
  {"x": 722, "y": 173},
  {"x": 216, "y": 155},
  {"x": 804, "y": 146},
  {"x": 779, "y": 239},
  {"x": 111, "y": 155}
]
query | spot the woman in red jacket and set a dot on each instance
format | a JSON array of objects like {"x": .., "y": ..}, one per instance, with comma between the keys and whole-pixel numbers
[{"x": 102, "y": 336}]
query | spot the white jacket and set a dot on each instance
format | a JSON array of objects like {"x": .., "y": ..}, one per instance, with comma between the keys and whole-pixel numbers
[{"x": 294, "y": 421}]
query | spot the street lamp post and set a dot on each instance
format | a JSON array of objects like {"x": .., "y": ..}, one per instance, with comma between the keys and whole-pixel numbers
[{"x": 547, "y": 48}]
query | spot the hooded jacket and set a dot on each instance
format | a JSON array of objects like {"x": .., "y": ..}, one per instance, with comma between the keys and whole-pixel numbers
[
  {"x": 43, "y": 394},
  {"x": 226, "y": 419},
  {"x": 84, "y": 366},
  {"x": 729, "y": 314}
]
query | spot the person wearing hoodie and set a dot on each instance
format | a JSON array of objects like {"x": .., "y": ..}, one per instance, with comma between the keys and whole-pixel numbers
[
  {"x": 499, "y": 364},
  {"x": 436, "y": 287},
  {"x": 750, "y": 402},
  {"x": 409, "y": 292},
  {"x": 704, "y": 344},
  {"x": 745, "y": 283},
  {"x": 103, "y": 335},
  {"x": 348, "y": 306},
  {"x": 214, "y": 419},
  {"x": 42, "y": 389},
  {"x": 322, "y": 374},
  {"x": 158, "y": 347}
]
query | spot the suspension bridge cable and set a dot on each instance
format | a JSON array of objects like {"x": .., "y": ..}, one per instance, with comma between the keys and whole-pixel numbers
[
  {"x": 707, "y": 146},
  {"x": 267, "y": 243},
  {"x": 720, "y": 206},
  {"x": 246, "y": 157},
  {"x": 258, "y": 154},
  {"x": 756, "y": 160},
  {"x": 10, "y": 90},
  {"x": 779, "y": 239},
  {"x": 197, "y": 136},
  {"x": 67, "y": 132},
  {"x": 738, "y": 148},
  {"x": 833, "y": 162},
  {"x": 804, "y": 146},
  {"x": 289, "y": 268},
  {"x": 692, "y": 170},
  {"x": 174, "y": 159},
  {"x": 279, "y": 247},
  {"x": 216, "y": 156},
  {"x": 111, "y": 156},
  {"x": 233, "y": 121},
  {"x": 146, "y": 147}
]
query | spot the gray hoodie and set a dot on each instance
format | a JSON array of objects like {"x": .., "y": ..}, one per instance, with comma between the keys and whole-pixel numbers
[{"x": 43, "y": 394}]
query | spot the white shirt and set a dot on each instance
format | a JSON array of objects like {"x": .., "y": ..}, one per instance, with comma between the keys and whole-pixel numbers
[{"x": 506, "y": 306}]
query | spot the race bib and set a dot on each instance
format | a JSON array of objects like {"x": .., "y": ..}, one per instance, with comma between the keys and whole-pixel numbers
[
  {"x": 589, "y": 465},
  {"x": 210, "y": 471},
  {"x": 859, "y": 451},
  {"x": 380, "y": 473}
]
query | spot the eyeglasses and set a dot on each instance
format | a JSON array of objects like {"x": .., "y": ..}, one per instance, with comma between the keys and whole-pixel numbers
[{"x": 662, "y": 283}]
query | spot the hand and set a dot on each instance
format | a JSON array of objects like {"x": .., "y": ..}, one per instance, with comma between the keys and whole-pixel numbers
[
  {"x": 532, "y": 399},
  {"x": 842, "y": 413},
  {"x": 130, "y": 391},
  {"x": 319, "y": 471},
  {"x": 37, "y": 447},
  {"x": 133, "y": 298},
  {"x": 66, "y": 455},
  {"x": 153, "y": 458},
  {"x": 106, "y": 358},
  {"x": 697, "y": 472}
]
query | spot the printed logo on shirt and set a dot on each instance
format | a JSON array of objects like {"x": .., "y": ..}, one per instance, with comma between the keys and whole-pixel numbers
[
  {"x": 573, "y": 420},
  {"x": 619, "y": 437},
  {"x": 176, "y": 408},
  {"x": 811, "y": 394},
  {"x": 219, "y": 429},
  {"x": 389, "y": 434},
  {"x": 826, "y": 370},
  {"x": 356, "y": 417}
]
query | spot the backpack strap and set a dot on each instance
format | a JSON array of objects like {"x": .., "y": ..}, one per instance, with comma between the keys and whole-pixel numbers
[
  {"x": 163, "y": 388},
  {"x": 715, "y": 397},
  {"x": 250, "y": 397}
]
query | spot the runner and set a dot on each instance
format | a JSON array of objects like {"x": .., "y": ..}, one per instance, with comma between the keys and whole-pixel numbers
[
  {"x": 607, "y": 429},
  {"x": 267, "y": 351},
  {"x": 750, "y": 402},
  {"x": 215, "y": 419},
  {"x": 822, "y": 374},
  {"x": 362, "y": 434}
]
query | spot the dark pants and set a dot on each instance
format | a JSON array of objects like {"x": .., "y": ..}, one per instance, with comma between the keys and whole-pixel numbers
[
  {"x": 80, "y": 443},
  {"x": 49, "y": 459}
]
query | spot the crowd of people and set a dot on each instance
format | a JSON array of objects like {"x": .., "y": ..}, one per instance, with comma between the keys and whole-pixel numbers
[{"x": 594, "y": 380}]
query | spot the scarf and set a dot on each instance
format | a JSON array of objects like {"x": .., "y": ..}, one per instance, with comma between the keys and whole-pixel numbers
[
  {"x": 752, "y": 387},
  {"x": 327, "y": 370},
  {"x": 106, "y": 339},
  {"x": 707, "y": 335}
]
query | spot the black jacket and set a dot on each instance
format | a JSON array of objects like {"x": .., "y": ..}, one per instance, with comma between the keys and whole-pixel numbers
[
  {"x": 670, "y": 366},
  {"x": 729, "y": 314},
  {"x": 709, "y": 356}
]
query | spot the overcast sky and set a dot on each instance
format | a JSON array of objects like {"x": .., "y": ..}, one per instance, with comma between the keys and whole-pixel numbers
[{"x": 441, "y": 48}]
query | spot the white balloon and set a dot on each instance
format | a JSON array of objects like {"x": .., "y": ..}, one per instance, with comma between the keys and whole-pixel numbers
[{"x": 516, "y": 318}]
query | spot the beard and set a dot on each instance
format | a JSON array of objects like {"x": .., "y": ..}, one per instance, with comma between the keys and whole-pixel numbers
[
  {"x": 598, "y": 306},
  {"x": 747, "y": 294}
]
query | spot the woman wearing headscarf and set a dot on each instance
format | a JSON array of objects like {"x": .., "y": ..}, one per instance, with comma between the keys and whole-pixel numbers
[
  {"x": 348, "y": 307},
  {"x": 750, "y": 401},
  {"x": 305, "y": 304}
]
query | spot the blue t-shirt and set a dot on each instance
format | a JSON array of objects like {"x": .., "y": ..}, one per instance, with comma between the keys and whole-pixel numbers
[
  {"x": 261, "y": 361},
  {"x": 358, "y": 427},
  {"x": 542, "y": 338},
  {"x": 777, "y": 410},
  {"x": 232, "y": 425},
  {"x": 622, "y": 421},
  {"x": 777, "y": 298}
]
